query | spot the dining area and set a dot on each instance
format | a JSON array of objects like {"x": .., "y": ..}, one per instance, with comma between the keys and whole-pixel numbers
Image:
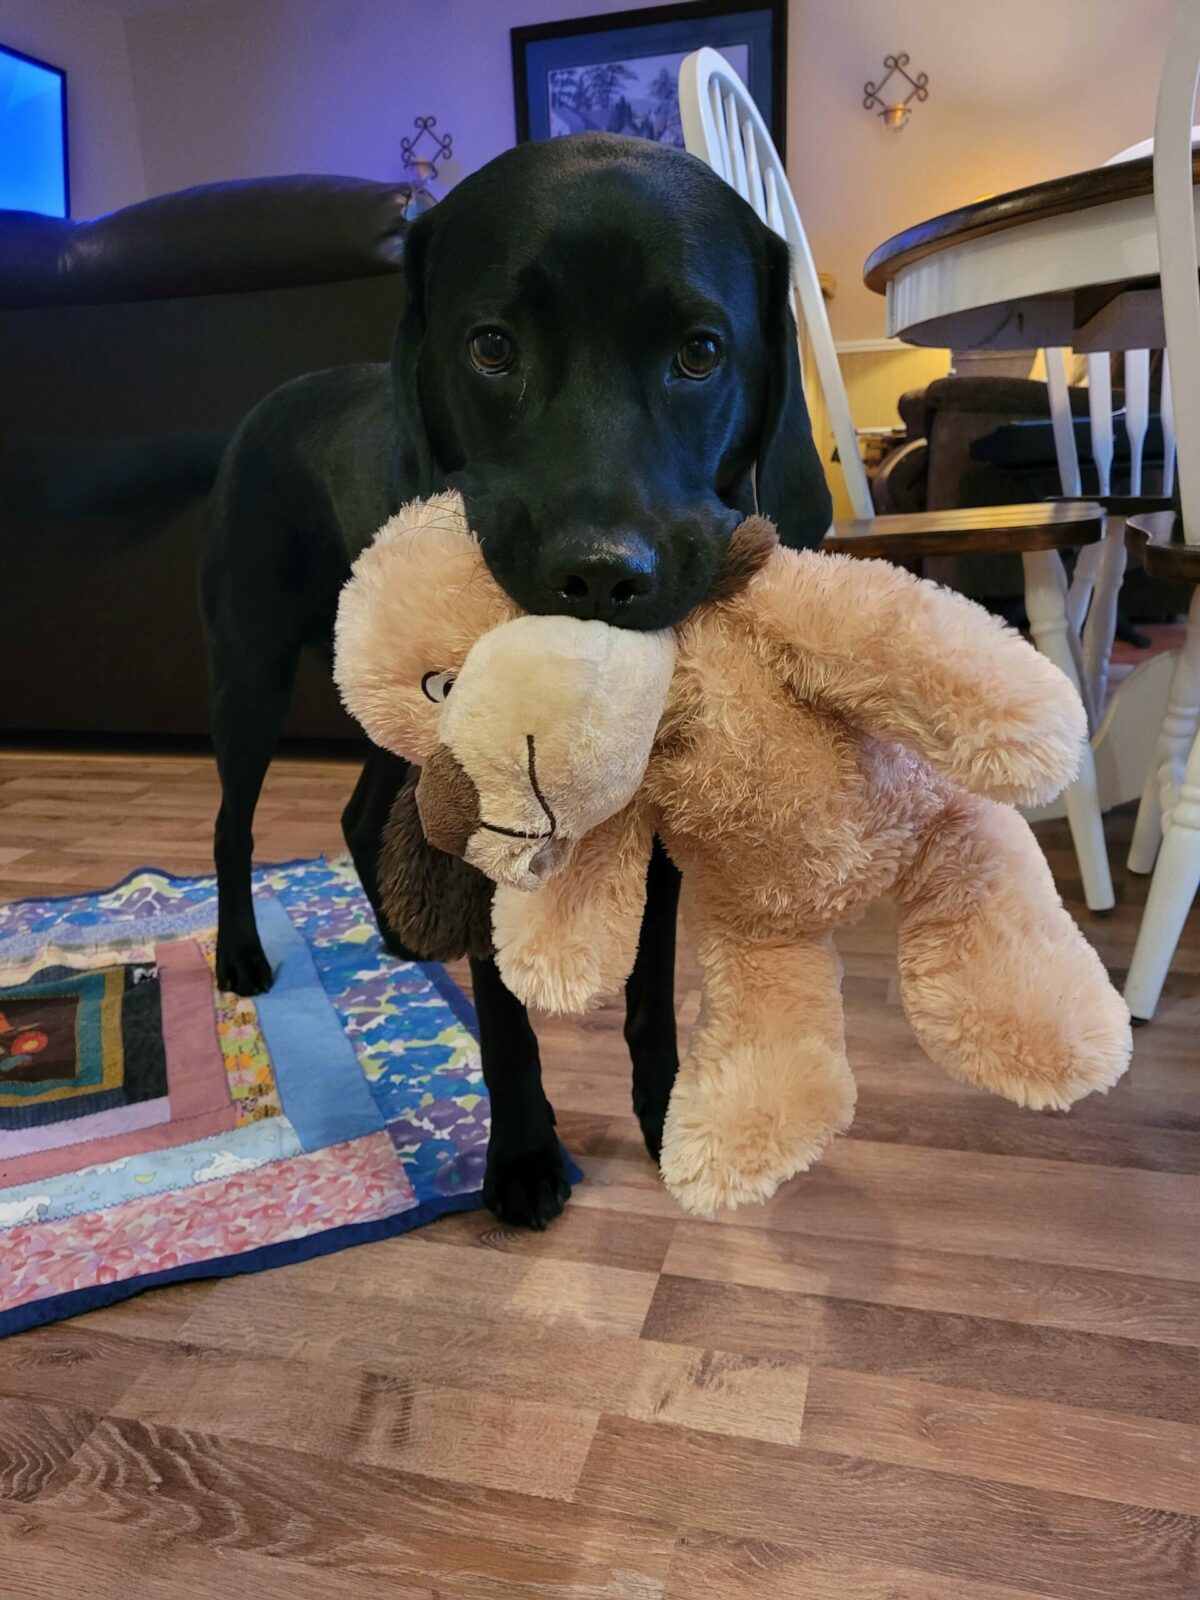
[
  {"x": 1101, "y": 264},
  {"x": 1095, "y": 273}
]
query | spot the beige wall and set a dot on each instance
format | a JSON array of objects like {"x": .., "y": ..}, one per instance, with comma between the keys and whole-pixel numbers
[
  {"x": 88, "y": 41},
  {"x": 1019, "y": 90}
]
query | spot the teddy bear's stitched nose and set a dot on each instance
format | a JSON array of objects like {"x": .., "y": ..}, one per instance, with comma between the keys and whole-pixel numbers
[{"x": 448, "y": 802}]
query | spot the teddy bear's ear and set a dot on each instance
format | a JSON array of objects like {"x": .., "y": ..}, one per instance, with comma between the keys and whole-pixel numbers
[
  {"x": 438, "y": 906},
  {"x": 790, "y": 481}
]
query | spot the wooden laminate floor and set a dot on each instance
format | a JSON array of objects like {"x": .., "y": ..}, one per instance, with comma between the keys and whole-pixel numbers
[{"x": 960, "y": 1360}]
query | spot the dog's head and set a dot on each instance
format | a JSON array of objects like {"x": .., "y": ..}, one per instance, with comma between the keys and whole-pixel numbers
[{"x": 598, "y": 349}]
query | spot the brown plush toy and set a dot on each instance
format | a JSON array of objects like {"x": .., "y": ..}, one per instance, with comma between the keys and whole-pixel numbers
[{"x": 821, "y": 732}]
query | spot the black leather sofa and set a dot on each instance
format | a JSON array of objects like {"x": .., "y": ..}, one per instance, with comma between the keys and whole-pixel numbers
[{"x": 130, "y": 347}]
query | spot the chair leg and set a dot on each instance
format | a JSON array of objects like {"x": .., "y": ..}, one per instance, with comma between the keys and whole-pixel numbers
[
  {"x": 1179, "y": 724},
  {"x": 1046, "y": 605},
  {"x": 1147, "y": 830},
  {"x": 1172, "y": 891},
  {"x": 1101, "y": 627}
]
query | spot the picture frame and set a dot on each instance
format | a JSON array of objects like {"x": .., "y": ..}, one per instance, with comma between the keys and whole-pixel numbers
[{"x": 619, "y": 72}]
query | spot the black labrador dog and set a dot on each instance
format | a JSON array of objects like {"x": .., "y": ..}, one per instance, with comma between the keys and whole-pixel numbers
[{"x": 598, "y": 349}]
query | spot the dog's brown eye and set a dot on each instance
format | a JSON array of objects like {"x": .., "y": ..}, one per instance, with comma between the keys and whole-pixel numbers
[
  {"x": 437, "y": 686},
  {"x": 698, "y": 357},
  {"x": 491, "y": 350}
]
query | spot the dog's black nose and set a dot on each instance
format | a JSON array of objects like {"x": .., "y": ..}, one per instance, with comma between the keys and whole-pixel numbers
[{"x": 601, "y": 577}]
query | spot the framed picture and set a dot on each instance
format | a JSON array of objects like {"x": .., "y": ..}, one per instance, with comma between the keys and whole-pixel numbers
[{"x": 620, "y": 73}]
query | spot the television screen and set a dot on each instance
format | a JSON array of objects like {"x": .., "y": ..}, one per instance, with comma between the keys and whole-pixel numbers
[{"x": 33, "y": 135}]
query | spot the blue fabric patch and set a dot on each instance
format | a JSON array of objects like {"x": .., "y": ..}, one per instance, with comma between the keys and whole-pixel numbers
[{"x": 325, "y": 1096}]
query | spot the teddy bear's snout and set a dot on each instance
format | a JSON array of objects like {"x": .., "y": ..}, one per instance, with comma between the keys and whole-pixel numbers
[{"x": 448, "y": 802}]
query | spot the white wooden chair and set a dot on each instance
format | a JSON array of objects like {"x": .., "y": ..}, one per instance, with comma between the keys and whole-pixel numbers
[
  {"x": 1172, "y": 546},
  {"x": 722, "y": 125},
  {"x": 1096, "y": 582}
]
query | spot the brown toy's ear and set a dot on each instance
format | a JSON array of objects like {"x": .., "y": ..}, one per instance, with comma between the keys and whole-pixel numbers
[
  {"x": 790, "y": 480},
  {"x": 437, "y": 905},
  {"x": 747, "y": 552}
]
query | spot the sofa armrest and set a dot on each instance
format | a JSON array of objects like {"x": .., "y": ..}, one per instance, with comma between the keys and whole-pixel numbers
[{"x": 221, "y": 238}]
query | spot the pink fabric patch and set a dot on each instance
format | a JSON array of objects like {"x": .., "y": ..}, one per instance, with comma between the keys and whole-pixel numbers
[
  {"x": 359, "y": 1181},
  {"x": 196, "y": 1081},
  {"x": 197, "y": 1087}
]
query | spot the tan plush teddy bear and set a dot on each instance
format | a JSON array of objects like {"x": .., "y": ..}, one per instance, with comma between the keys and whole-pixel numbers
[{"x": 822, "y": 731}]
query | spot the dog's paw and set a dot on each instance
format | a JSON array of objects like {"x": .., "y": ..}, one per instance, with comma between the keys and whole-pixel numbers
[
  {"x": 242, "y": 967},
  {"x": 652, "y": 1117},
  {"x": 526, "y": 1190}
]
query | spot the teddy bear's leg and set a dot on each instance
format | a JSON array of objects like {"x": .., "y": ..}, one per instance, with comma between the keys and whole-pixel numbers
[
  {"x": 1001, "y": 987},
  {"x": 562, "y": 946},
  {"x": 765, "y": 1083}
]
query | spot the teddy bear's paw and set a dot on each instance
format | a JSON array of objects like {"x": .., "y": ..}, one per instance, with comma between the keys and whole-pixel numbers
[
  {"x": 562, "y": 981},
  {"x": 1043, "y": 1029},
  {"x": 739, "y": 1126},
  {"x": 546, "y": 964}
]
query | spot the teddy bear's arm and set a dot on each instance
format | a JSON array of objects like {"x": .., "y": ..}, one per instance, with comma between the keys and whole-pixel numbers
[
  {"x": 564, "y": 945},
  {"x": 912, "y": 662}
]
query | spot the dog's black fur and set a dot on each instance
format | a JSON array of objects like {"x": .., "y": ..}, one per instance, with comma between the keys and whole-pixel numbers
[{"x": 602, "y": 479}]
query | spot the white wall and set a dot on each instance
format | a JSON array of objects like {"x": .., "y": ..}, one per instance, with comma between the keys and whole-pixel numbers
[
  {"x": 1019, "y": 90},
  {"x": 88, "y": 42}
]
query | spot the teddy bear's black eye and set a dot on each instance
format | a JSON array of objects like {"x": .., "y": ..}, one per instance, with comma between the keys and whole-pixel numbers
[{"x": 437, "y": 685}]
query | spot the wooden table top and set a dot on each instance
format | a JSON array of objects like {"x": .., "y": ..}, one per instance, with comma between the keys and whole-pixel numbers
[{"x": 1077, "y": 191}]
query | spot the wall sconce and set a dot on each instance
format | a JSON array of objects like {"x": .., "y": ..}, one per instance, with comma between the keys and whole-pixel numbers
[
  {"x": 895, "y": 113},
  {"x": 422, "y": 164}
]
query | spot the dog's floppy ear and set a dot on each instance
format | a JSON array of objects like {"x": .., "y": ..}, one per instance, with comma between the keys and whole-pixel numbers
[
  {"x": 416, "y": 471},
  {"x": 791, "y": 485}
]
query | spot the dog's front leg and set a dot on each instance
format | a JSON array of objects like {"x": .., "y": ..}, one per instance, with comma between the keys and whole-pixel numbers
[
  {"x": 526, "y": 1181},
  {"x": 650, "y": 1001}
]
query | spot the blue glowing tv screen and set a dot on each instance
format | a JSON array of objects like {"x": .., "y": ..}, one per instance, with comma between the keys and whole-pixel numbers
[{"x": 33, "y": 136}]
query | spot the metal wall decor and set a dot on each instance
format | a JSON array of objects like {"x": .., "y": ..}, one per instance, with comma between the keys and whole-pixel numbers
[
  {"x": 419, "y": 163},
  {"x": 896, "y": 112}
]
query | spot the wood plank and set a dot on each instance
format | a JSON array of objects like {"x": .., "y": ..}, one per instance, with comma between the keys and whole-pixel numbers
[
  {"x": 388, "y": 1419},
  {"x": 713, "y": 1564},
  {"x": 466, "y": 1285},
  {"x": 51, "y": 1552},
  {"x": 170, "y": 1487},
  {"x": 71, "y": 1364},
  {"x": 1002, "y": 1358},
  {"x": 759, "y": 1396},
  {"x": 1051, "y": 1211},
  {"x": 991, "y": 1126},
  {"x": 1129, "y": 1460},
  {"x": 602, "y": 1239},
  {"x": 35, "y": 1441},
  {"x": 1088, "y": 1301},
  {"x": 1079, "y": 1548},
  {"x": 475, "y": 1437}
]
